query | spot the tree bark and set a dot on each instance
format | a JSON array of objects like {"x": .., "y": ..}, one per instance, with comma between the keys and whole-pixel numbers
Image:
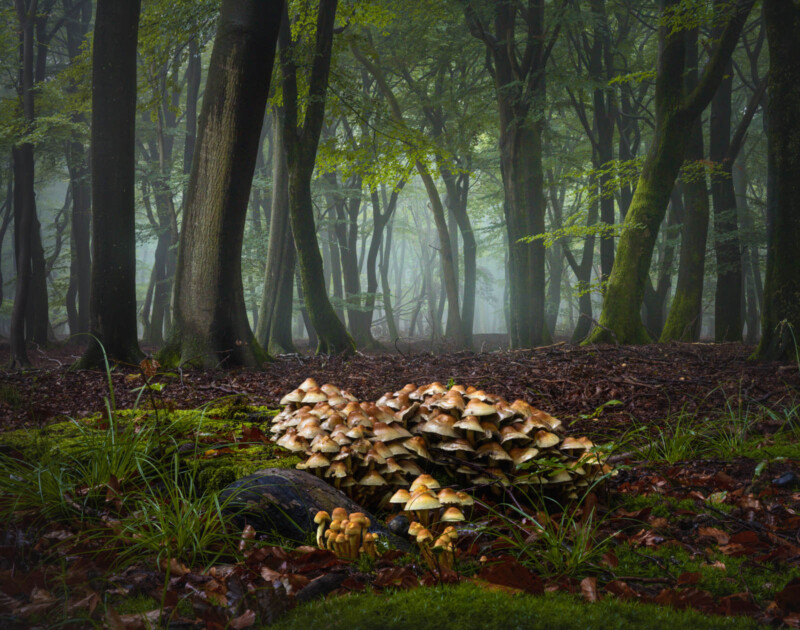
[
  {"x": 112, "y": 305},
  {"x": 274, "y": 331},
  {"x": 620, "y": 321},
  {"x": 301, "y": 149},
  {"x": 685, "y": 314},
  {"x": 780, "y": 319},
  {"x": 211, "y": 323}
]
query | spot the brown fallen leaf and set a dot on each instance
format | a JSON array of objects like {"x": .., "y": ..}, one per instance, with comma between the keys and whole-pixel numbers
[
  {"x": 589, "y": 589},
  {"x": 720, "y": 536},
  {"x": 789, "y": 597},
  {"x": 245, "y": 620},
  {"x": 507, "y": 571}
]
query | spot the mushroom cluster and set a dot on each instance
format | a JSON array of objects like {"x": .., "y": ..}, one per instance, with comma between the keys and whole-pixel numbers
[
  {"x": 345, "y": 534},
  {"x": 369, "y": 449}
]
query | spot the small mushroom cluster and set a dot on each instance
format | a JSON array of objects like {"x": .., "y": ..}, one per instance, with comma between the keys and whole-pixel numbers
[
  {"x": 367, "y": 449},
  {"x": 345, "y": 534},
  {"x": 421, "y": 501}
]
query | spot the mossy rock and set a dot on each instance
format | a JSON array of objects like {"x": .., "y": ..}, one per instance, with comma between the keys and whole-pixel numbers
[{"x": 283, "y": 503}]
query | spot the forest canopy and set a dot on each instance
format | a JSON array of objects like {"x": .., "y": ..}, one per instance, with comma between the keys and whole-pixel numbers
[{"x": 228, "y": 181}]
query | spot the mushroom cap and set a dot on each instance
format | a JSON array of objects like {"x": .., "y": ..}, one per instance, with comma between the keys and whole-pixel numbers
[
  {"x": 500, "y": 475},
  {"x": 448, "y": 496},
  {"x": 310, "y": 430},
  {"x": 425, "y": 480},
  {"x": 335, "y": 401},
  {"x": 331, "y": 390},
  {"x": 414, "y": 528},
  {"x": 324, "y": 444},
  {"x": 337, "y": 470},
  {"x": 504, "y": 410},
  {"x": 561, "y": 476},
  {"x": 424, "y": 537},
  {"x": 417, "y": 445},
  {"x": 361, "y": 446},
  {"x": 452, "y": 515},
  {"x": 307, "y": 384},
  {"x": 356, "y": 433},
  {"x": 292, "y": 442},
  {"x": 440, "y": 425},
  {"x": 465, "y": 499},
  {"x": 459, "y": 444},
  {"x": 451, "y": 400},
  {"x": 493, "y": 451},
  {"x": 401, "y": 496},
  {"x": 294, "y": 396},
  {"x": 490, "y": 430},
  {"x": 523, "y": 454},
  {"x": 478, "y": 394},
  {"x": 372, "y": 457},
  {"x": 545, "y": 439},
  {"x": 322, "y": 517},
  {"x": 340, "y": 437},
  {"x": 410, "y": 467},
  {"x": 433, "y": 388},
  {"x": 512, "y": 432},
  {"x": 423, "y": 501},
  {"x": 391, "y": 467},
  {"x": 542, "y": 416},
  {"x": 359, "y": 418},
  {"x": 338, "y": 514},
  {"x": 476, "y": 407},
  {"x": 388, "y": 432},
  {"x": 397, "y": 449},
  {"x": 521, "y": 408},
  {"x": 372, "y": 478},
  {"x": 577, "y": 444},
  {"x": 314, "y": 395},
  {"x": 469, "y": 423},
  {"x": 317, "y": 460},
  {"x": 381, "y": 449}
]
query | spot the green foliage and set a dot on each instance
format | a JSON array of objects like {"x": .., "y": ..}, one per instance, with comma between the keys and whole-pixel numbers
[{"x": 466, "y": 606}]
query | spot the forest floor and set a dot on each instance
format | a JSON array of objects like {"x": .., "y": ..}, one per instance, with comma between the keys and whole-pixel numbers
[{"x": 703, "y": 513}]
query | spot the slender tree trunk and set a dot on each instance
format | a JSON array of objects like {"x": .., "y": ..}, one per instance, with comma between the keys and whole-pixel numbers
[
  {"x": 727, "y": 314},
  {"x": 457, "y": 191},
  {"x": 780, "y": 319},
  {"x": 386, "y": 250},
  {"x": 274, "y": 331},
  {"x": 211, "y": 320}
]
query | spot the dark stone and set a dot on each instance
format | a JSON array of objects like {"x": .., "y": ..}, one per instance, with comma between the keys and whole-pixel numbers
[
  {"x": 399, "y": 525},
  {"x": 786, "y": 480},
  {"x": 283, "y": 501},
  {"x": 320, "y": 587}
]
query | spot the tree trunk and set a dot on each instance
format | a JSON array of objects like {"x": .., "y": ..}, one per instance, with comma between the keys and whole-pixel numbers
[
  {"x": 728, "y": 294},
  {"x": 686, "y": 311},
  {"x": 780, "y": 319},
  {"x": 457, "y": 191},
  {"x": 274, "y": 331},
  {"x": 301, "y": 149},
  {"x": 210, "y": 312},
  {"x": 112, "y": 305},
  {"x": 620, "y": 321}
]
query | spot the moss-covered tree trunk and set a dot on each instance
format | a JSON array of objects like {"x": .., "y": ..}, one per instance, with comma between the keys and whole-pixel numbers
[
  {"x": 211, "y": 324},
  {"x": 780, "y": 320},
  {"x": 620, "y": 320},
  {"x": 685, "y": 313},
  {"x": 112, "y": 305},
  {"x": 301, "y": 143},
  {"x": 274, "y": 331}
]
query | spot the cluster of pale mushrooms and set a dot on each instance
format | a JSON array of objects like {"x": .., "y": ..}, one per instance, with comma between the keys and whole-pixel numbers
[
  {"x": 345, "y": 534},
  {"x": 371, "y": 449}
]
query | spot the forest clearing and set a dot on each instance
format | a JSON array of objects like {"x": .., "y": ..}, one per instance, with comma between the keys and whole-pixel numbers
[{"x": 371, "y": 314}]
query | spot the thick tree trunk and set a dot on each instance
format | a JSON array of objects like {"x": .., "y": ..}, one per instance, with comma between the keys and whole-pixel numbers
[
  {"x": 274, "y": 331},
  {"x": 210, "y": 312},
  {"x": 620, "y": 321},
  {"x": 112, "y": 305},
  {"x": 780, "y": 320}
]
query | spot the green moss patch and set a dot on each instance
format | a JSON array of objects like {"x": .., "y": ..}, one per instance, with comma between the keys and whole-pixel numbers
[{"x": 466, "y": 606}]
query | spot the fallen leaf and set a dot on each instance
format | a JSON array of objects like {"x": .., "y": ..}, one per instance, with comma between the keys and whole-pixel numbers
[
  {"x": 589, "y": 589},
  {"x": 789, "y": 597},
  {"x": 245, "y": 620},
  {"x": 720, "y": 536},
  {"x": 507, "y": 571}
]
